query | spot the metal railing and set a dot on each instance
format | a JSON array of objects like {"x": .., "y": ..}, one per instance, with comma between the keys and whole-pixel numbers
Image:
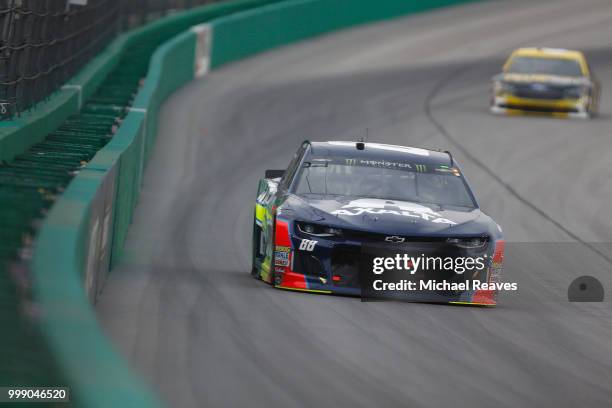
[{"x": 45, "y": 42}]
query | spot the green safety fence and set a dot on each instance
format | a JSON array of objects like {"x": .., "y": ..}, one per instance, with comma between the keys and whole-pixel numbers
[{"x": 115, "y": 122}]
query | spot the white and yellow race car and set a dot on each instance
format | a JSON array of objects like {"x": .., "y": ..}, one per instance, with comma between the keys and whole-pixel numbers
[{"x": 546, "y": 80}]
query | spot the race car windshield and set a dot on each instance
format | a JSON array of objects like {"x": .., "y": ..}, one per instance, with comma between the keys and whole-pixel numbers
[
  {"x": 546, "y": 66},
  {"x": 441, "y": 186}
]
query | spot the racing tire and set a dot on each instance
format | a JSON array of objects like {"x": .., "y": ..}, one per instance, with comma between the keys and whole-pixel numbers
[
  {"x": 255, "y": 272},
  {"x": 593, "y": 107}
]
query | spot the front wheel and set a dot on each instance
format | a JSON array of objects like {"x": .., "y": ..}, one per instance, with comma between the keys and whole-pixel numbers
[
  {"x": 277, "y": 278},
  {"x": 255, "y": 272},
  {"x": 592, "y": 108}
]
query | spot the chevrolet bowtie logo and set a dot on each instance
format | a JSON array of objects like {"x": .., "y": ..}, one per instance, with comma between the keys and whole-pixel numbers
[{"x": 395, "y": 239}]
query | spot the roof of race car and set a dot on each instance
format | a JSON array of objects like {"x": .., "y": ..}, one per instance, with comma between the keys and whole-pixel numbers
[
  {"x": 378, "y": 151},
  {"x": 543, "y": 52}
]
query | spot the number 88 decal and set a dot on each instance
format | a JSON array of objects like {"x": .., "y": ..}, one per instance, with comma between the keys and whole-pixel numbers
[{"x": 307, "y": 245}]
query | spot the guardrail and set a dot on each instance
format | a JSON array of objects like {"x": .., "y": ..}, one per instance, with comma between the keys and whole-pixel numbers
[{"x": 85, "y": 231}]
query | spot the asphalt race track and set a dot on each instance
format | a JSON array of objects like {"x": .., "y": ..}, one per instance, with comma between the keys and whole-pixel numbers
[{"x": 186, "y": 314}]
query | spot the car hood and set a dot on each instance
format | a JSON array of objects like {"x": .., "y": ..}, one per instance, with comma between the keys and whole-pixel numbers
[
  {"x": 540, "y": 78},
  {"x": 390, "y": 216}
]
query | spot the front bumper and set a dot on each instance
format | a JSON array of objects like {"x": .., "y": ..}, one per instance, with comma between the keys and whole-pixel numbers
[
  {"x": 335, "y": 267},
  {"x": 510, "y": 104}
]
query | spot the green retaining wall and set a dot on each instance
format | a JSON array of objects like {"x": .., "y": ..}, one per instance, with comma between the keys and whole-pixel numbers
[
  {"x": 137, "y": 134},
  {"x": 171, "y": 66},
  {"x": 69, "y": 241},
  {"x": 242, "y": 34},
  {"x": 70, "y": 238}
]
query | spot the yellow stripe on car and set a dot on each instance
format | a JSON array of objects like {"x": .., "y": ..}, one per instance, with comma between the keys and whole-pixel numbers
[
  {"x": 304, "y": 290},
  {"x": 471, "y": 304}
]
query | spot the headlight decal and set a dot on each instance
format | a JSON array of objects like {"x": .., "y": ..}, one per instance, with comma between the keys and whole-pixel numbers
[
  {"x": 576, "y": 92},
  {"x": 503, "y": 87},
  {"x": 469, "y": 243},
  {"x": 318, "y": 230}
]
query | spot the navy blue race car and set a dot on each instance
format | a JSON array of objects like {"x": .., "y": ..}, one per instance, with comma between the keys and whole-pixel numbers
[{"x": 339, "y": 201}]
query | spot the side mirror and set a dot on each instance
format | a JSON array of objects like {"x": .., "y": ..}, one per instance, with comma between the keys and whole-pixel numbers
[{"x": 272, "y": 174}]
